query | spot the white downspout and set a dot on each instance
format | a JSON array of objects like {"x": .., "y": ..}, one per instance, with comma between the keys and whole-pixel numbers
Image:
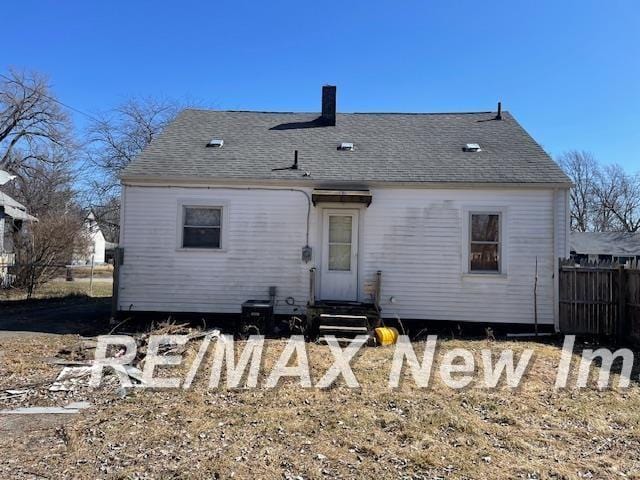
[
  {"x": 123, "y": 204},
  {"x": 556, "y": 266},
  {"x": 122, "y": 207}
]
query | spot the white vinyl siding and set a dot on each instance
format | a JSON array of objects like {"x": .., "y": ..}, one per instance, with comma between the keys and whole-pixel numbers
[
  {"x": 417, "y": 237},
  {"x": 262, "y": 238}
]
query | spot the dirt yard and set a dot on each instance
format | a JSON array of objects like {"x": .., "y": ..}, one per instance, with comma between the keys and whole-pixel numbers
[
  {"x": 58, "y": 307},
  {"x": 71, "y": 314},
  {"x": 291, "y": 432}
]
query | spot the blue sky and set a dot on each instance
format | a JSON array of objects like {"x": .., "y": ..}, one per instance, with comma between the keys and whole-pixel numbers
[{"x": 569, "y": 70}]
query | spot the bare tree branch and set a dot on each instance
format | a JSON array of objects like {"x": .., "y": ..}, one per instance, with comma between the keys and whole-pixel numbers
[
  {"x": 582, "y": 168},
  {"x": 116, "y": 140},
  {"x": 30, "y": 120},
  {"x": 603, "y": 199},
  {"x": 618, "y": 197}
]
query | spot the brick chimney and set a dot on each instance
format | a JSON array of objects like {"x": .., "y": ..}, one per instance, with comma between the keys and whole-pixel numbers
[{"x": 329, "y": 104}]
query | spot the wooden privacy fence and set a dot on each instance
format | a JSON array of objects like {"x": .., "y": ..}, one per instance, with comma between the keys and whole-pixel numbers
[
  {"x": 633, "y": 302},
  {"x": 600, "y": 299}
]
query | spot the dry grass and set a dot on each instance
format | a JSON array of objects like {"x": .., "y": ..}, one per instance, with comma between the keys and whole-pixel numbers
[
  {"x": 59, "y": 288},
  {"x": 291, "y": 432},
  {"x": 103, "y": 271}
]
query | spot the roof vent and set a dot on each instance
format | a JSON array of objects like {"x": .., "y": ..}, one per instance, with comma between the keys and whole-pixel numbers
[
  {"x": 215, "y": 143},
  {"x": 472, "y": 147},
  {"x": 346, "y": 146}
]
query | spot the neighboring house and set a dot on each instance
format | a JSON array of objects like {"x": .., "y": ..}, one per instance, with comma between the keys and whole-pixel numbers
[
  {"x": 453, "y": 209},
  {"x": 618, "y": 247},
  {"x": 96, "y": 243},
  {"x": 12, "y": 216}
]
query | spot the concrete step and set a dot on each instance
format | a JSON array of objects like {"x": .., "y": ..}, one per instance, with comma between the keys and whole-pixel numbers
[
  {"x": 346, "y": 308},
  {"x": 341, "y": 340},
  {"x": 347, "y": 328},
  {"x": 343, "y": 328},
  {"x": 343, "y": 320}
]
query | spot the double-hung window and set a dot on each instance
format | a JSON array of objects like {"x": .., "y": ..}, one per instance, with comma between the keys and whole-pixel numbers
[
  {"x": 202, "y": 227},
  {"x": 484, "y": 242}
]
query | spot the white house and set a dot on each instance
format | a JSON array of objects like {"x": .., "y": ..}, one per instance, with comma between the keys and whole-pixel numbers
[
  {"x": 619, "y": 247},
  {"x": 96, "y": 244},
  {"x": 452, "y": 208},
  {"x": 12, "y": 216}
]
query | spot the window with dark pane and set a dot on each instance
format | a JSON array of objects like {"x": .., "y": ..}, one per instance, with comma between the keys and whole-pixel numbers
[
  {"x": 484, "y": 251},
  {"x": 202, "y": 227}
]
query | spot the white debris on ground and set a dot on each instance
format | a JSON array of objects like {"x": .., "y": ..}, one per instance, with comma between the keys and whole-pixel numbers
[
  {"x": 70, "y": 377},
  {"x": 73, "y": 407},
  {"x": 72, "y": 383}
]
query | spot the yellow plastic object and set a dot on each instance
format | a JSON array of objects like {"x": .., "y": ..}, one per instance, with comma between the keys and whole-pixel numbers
[{"x": 386, "y": 335}]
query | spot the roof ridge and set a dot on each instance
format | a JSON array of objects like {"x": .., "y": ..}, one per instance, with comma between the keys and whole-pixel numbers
[
  {"x": 340, "y": 113},
  {"x": 423, "y": 113}
]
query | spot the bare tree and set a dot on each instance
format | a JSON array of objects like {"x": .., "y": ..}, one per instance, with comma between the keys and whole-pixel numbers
[
  {"x": 617, "y": 200},
  {"x": 116, "y": 140},
  {"x": 31, "y": 122},
  {"x": 45, "y": 188},
  {"x": 605, "y": 191},
  {"x": 582, "y": 169},
  {"x": 44, "y": 247},
  {"x": 125, "y": 132},
  {"x": 603, "y": 199},
  {"x": 108, "y": 218},
  {"x": 38, "y": 146}
]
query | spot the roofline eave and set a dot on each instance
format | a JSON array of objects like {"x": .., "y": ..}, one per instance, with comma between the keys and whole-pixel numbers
[{"x": 132, "y": 180}]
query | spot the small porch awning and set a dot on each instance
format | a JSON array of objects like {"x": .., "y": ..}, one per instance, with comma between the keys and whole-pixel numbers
[{"x": 341, "y": 196}]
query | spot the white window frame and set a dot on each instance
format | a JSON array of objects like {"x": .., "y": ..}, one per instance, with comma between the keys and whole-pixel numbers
[
  {"x": 183, "y": 204},
  {"x": 502, "y": 241}
]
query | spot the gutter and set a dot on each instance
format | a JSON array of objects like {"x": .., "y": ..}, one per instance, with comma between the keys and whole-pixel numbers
[{"x": 310, "y": 183}]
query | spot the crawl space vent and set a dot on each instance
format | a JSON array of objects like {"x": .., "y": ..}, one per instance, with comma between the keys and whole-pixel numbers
[{"x": 215, "y": 143}]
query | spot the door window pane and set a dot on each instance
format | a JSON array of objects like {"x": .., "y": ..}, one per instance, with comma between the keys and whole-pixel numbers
[
  {"x": 340, "y": 257},
  {"x": 339, "y": 229},
  {"x": 340, "y": 242}
]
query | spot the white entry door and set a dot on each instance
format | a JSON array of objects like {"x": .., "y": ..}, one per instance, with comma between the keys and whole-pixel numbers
[{"x": 339, "y": 273}]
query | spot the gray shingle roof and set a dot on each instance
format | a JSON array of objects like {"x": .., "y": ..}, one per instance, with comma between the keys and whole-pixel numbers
[
  {"x": 606, "y": 243},
  {"x": 14, "y": 209},
  {"x": 389, "y": 147}
]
